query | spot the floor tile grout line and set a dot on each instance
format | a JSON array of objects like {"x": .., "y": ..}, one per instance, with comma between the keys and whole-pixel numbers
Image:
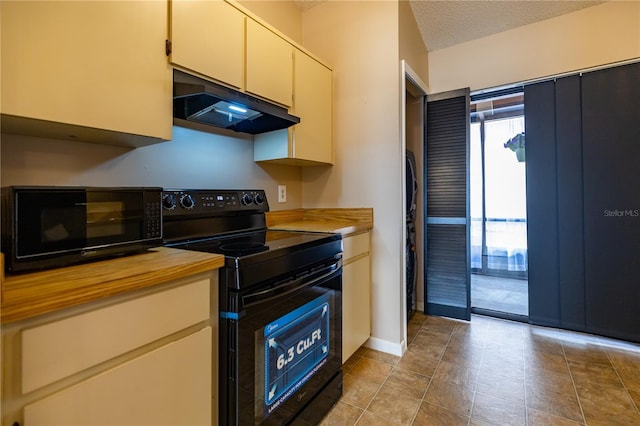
[
  {"x": 566, "y": 361},
  {"x": 413, "y": 419},
  {"x": 573, "y": 382},
  {"x": 378, "y": 391},
  {"x": 524, "y": 372},
  {"x": 626, "y": 389},
  {"x": 431, "y": 380},
  {"x": 475, "y": 386},
  {"x": 475, "y": 393},
  {"x": 364, "y": 410},
  {"x": 394, "y": 366}
]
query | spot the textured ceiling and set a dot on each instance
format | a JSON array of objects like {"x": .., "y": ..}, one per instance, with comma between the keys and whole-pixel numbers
[{"x": 446, "y": 23}]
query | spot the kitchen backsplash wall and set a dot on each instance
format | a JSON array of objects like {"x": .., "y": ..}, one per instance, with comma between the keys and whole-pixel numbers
[{"x": 193, "y": 159}]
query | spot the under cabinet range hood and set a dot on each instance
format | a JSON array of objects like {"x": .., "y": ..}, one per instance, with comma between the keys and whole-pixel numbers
[{"x": 205, "y": 102}]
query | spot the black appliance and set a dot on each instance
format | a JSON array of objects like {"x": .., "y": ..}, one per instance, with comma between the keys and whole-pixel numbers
[
  {"x": 410, "y": 245},
  {"x": 55, "y": 226},
  {"x": 280, "y": 303},
  {"x": 205, "y": 102}
]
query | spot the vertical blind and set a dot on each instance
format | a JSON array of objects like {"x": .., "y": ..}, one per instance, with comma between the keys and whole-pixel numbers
[{"x": 583, "y": 201}]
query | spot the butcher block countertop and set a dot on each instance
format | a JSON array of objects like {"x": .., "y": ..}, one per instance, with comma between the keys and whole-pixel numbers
[
  {"x": 31, "y": 294},
  {"x": 343, "y": 221}
]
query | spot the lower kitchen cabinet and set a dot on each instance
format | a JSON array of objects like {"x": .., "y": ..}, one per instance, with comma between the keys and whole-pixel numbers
[
  {"x": 356, "y": 293},
  {"x": 143, "y": 359},
  {"x": 170, "y": 385}
]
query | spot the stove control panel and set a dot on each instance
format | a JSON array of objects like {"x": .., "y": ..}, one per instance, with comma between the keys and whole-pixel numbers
[{"x": 177, "y": 202}]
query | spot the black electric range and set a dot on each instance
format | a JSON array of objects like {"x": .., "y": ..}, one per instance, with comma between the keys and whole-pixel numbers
[{"x": 280, "y": 304}]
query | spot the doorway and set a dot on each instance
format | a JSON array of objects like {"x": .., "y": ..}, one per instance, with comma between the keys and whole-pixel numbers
[
  {"x": 499, "y": 259},
  {"x": 413, "y": 117}
]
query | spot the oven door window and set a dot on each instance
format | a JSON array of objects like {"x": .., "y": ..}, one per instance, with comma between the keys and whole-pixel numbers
[
  {"x": 62, "y": 221},
  {"x": 295, "y": 346}
]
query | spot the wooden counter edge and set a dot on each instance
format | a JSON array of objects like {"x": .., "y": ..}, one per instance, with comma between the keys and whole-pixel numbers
[
  {"x": 29, "y": 295},
  {"x": 345, "y": 221}
]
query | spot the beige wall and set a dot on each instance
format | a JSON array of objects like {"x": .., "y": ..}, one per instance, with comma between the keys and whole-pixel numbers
[
  {"x": 414, "y": 52},
  {"x": 360, "y": 40},
  {"x": 412, "y": 48},
  {"x": 594, "y": 36},
  {"x": 192, "y": 159},
  {"x": 283, "y": 15}
]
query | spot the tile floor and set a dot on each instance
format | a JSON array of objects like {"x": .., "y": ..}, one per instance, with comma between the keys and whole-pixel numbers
[{"x": 492, "y": 372}]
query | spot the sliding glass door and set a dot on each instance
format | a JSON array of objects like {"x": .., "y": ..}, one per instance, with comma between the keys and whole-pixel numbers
[{"x": 499, "y": 259}]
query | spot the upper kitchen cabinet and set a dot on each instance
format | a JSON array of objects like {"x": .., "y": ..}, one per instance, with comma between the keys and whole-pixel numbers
[
  {"x": 208, "y": 37},
  {"x": 216, "y": 39},
  {"x": 310, "y": 142},
  {"x": 313, "y": 101},
  {"x": 93, "y": 71},
  {"x": 269, "y": 64}
]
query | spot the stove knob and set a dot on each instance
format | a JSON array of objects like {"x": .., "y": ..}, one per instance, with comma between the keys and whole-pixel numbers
[
  {"x": 259, "y": 199},
  {"x": 187, "y": 202},
  {"x": 247, "y": 199},
  {"x": 168, "y": 202}
]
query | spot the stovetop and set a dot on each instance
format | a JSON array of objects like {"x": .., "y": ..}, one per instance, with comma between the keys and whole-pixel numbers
[
  {"x": 258, "y": 258},
  {"x": 263, "y": 242},
  {"x": 233, "y": 223}
]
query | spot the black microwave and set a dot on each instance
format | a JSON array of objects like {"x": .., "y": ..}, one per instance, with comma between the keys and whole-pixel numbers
[{"x": 54, "y": 226}]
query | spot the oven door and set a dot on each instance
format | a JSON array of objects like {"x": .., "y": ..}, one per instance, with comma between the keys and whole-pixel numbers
[{"x": 281, "y": 350}]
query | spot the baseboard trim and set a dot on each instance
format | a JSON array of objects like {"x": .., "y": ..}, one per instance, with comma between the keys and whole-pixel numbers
[{"x": 397, "y": 349}]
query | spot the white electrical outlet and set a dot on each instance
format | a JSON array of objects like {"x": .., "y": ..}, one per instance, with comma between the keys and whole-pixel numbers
[{"x": 282, "y": 193}]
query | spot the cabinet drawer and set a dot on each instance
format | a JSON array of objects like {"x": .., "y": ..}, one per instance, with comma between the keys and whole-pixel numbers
[
  {"x": 170, "y": 385},
  {"x": 59, "y": 349},
  {"x": 355, "y": 246}
]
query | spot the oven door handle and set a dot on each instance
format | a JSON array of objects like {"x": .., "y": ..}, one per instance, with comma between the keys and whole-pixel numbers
[{"x": 280, "y": 290}]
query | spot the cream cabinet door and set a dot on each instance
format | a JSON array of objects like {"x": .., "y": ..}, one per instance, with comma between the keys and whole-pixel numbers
[
  {"x": 269, "y": 64},
  {"x": 208, "y": 37},
  {"x": 311, "y": 141},
  {"x": 99, "y": 64},
  {"x": 356, "y": 306},
  {"x": 168, "y": 386},
  {"x": 312, "y": 137},
  {"x": 356, "y": 294}
]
